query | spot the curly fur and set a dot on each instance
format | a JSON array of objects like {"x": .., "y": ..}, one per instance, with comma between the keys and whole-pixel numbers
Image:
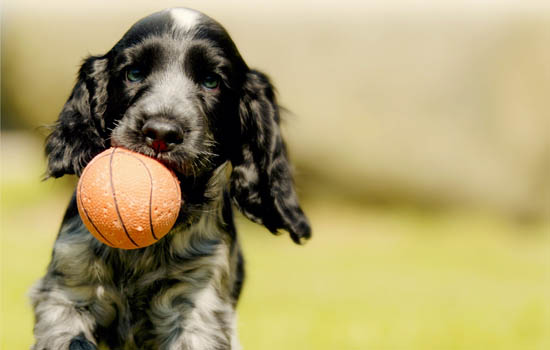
[{"x": 180, "y": 293}]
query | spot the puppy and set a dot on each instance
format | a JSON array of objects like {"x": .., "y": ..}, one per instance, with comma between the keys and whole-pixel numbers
[{"x": 174, "y": 88}]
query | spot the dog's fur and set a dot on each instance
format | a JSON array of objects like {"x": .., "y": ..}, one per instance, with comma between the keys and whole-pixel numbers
[{"x": 181, "y": 292}]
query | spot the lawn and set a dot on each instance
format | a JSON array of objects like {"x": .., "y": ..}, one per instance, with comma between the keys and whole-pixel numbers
[{"x": 371, "y": 278}]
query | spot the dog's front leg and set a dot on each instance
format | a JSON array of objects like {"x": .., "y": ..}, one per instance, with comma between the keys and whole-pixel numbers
[
  {"x": 60, "y": 323},
  {"x": 71, "y": 301},
  {"x": 202, "y": 321}
]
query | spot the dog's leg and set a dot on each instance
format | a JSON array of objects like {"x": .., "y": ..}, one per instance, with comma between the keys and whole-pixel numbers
[
  {"x": 60, "y": 323},
  {"x": 70, "y": 301},
  {"x": 203, "y": 321},
  {"x": 197, "y": 311}
]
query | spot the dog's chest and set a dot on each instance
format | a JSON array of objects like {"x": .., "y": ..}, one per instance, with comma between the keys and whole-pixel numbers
[{"x": 176, "y": 300}]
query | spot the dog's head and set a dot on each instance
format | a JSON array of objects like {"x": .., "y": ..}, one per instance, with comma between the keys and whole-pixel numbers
[{"x": 176, "y": 88}]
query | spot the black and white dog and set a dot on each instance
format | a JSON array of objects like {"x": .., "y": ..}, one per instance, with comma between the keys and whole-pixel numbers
[{"x": 175, "y": 88}]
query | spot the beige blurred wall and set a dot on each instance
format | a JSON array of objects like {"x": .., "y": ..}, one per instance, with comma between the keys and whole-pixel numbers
[{"x": 426, "y": 102}]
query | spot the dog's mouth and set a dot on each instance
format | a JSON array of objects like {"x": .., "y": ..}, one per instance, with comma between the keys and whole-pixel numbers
[
  {"x": 194, "y": 177},
  {"x": 177, "y": 162},
  {"x": 192, "y": 169},
  {"x": 188, "y": 153}
]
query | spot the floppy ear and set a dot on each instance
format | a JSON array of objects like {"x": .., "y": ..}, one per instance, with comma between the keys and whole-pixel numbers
[
  {"x": 79, "y": 133},
  {"x": 261, "y": 183}
]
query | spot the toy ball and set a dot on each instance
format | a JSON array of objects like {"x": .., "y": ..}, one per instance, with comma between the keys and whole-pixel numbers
[{"x": 126, "y": 199}]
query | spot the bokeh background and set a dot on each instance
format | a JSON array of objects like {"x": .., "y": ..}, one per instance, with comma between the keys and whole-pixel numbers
[{"x": 420, "y": 132}]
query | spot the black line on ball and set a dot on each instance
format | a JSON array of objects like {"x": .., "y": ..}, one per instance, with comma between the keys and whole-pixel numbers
[
  {"x": 150, "y": 195},
  {"x": 86, "y": 212},
  {"x": 114, "y": 196}
]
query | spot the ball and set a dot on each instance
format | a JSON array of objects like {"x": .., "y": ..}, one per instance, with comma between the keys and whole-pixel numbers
[{"x": 126, "y": 199}]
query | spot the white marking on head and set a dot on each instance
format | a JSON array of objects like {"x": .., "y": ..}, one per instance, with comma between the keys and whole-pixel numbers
[{"x": 185, "y": 18}]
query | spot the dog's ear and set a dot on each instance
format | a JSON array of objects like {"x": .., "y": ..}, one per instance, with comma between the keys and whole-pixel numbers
[
  {"x": 79, "y": 133},
  {"x": 261, "y": 182}
]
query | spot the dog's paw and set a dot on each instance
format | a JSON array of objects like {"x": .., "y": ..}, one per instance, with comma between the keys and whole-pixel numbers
[{"x": 81, "y": 343}]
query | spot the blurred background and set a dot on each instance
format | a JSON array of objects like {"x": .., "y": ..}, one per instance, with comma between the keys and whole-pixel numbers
[{"x": 420, "y": 133}]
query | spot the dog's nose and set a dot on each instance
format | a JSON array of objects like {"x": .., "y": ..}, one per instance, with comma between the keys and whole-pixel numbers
[{"x": 162, "y": 135}]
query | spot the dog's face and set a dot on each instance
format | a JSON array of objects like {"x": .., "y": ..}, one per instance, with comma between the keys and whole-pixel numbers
[{"x": 176, "y": 88}]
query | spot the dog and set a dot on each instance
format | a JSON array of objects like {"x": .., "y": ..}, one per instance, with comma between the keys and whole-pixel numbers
[{"x": 174, "y": 88}]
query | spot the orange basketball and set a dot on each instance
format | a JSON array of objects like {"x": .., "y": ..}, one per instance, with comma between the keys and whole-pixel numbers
[{"x": 126, "y": 199}]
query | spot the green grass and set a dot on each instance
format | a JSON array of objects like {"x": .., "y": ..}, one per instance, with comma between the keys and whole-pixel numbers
[
  {"x": 369, "y": 279},
  {"x": 398, "y": 280}
]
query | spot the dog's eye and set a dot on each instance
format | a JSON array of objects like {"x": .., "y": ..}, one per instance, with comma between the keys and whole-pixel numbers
[
  {"x": 135, "y": 75},
  {"x": 211, "y": 81}
]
